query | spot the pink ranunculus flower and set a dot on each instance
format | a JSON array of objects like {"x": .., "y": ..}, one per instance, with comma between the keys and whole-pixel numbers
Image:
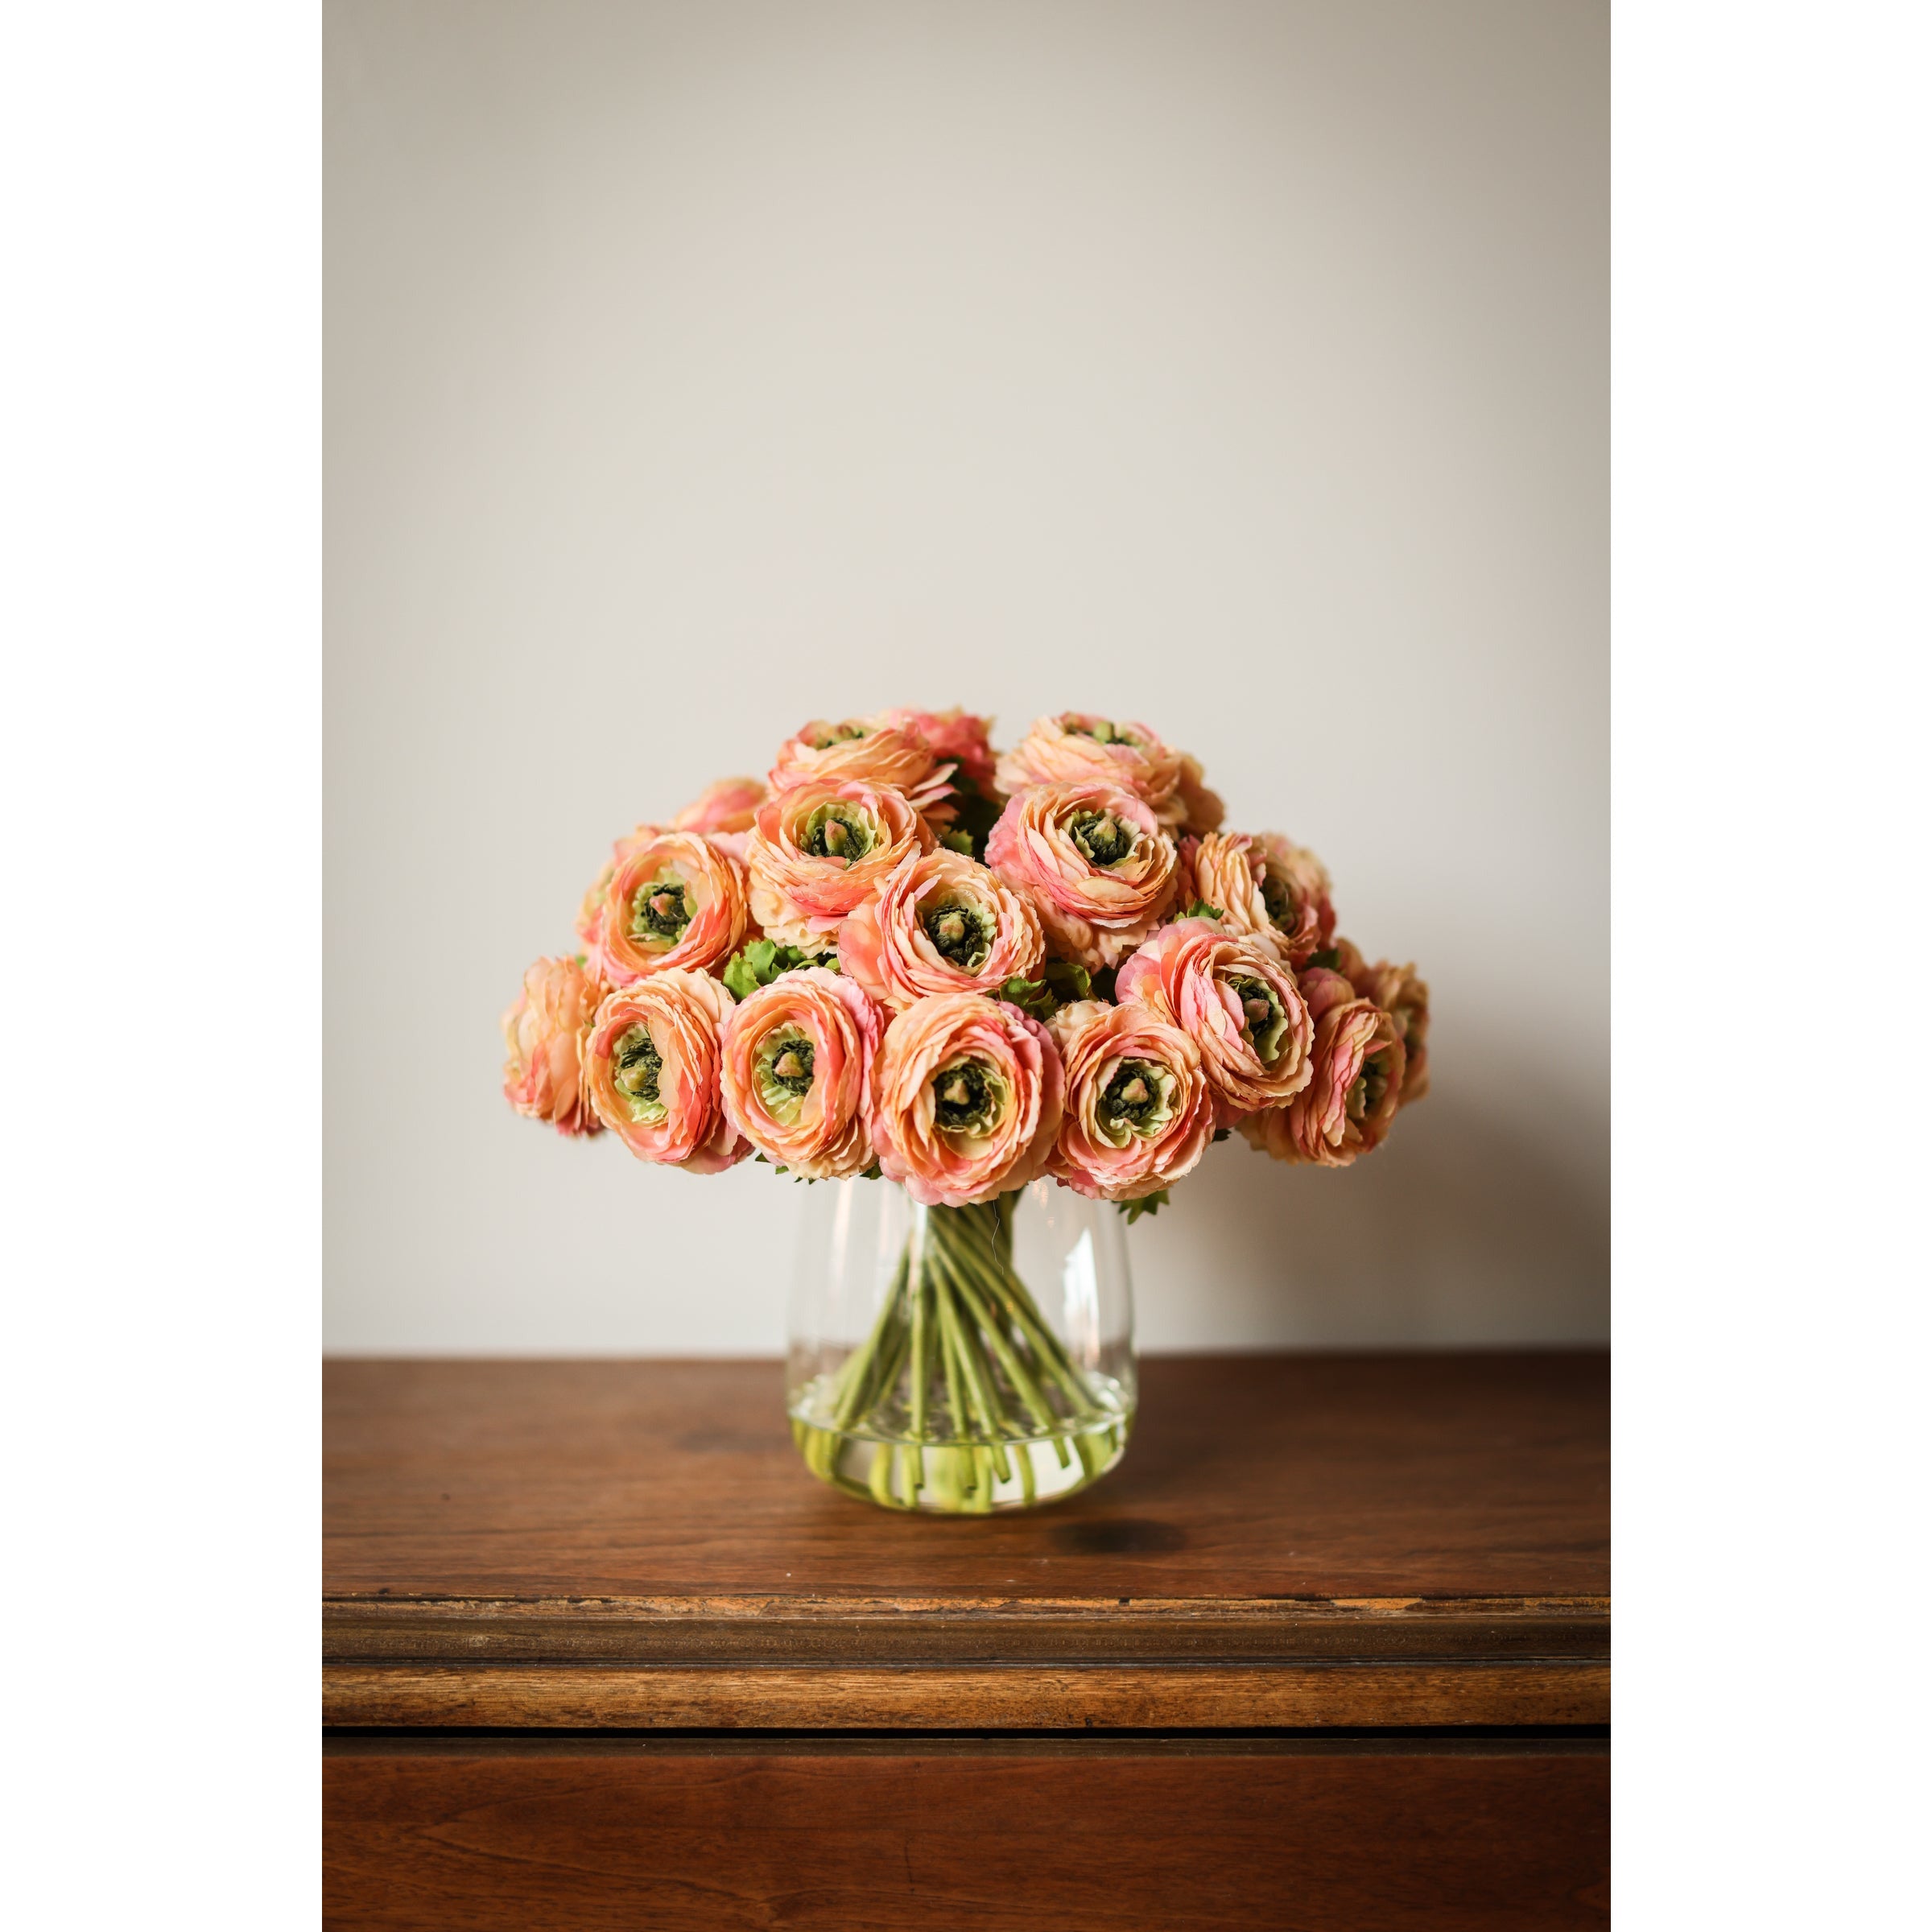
[
  {"x": 941, "y": 923},
  {"x": 796, "y": 1070},
  {"x": 1077, "y": 747},
  {"x": 876, "y": 751},
  {"x": 1139, "y": 1111},
  {"x": 1295, "y": 891},
  {"x": 1095, "y": 862},
  {"x": 650, "y": 1071},
  {"x": 673, "y": 899},
  {"x": 965, "y": 1100},
  {"x": 818, "y": 851},
  {"x": 1232, "y": 995},
  {"x": 957, "y": 735},
  {"x": 545, "y": 1031},
  {"x": 724, "y": 812},
  {"x": 1345, "y": 1109}
]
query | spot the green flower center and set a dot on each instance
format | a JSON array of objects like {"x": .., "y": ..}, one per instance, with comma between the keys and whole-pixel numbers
[
  {"x": 1263, "y": 1019},
  {"x": 838, "y": 734},
  {"x": 1103, "y": 732},
  {"x": 1138, "y": 1100},
  {"x": 784, "y": 1071},
  {"x": 1104, "y": 839},
  {"x": 660, "y": 910},
  {"x": 967, "y": 1098},
  {"x": 1369, "y": 1088},
  {"x": 960, "y": 933},
  {"x": 838, "y": 831},
  {"x": 635, "y": 1066},
  {"x": 1278, "y": 900}
]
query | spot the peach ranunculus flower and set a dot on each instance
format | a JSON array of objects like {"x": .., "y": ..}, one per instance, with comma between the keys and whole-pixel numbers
[
  {"x": 1405, "y": 998},
  {"x": 1224, "y": 869},
  {"x": 673, "y": 899},
  {"x": 819, "y": 850},
  {"x": 1345, "y": 1109},
  {"x": 545, "y": 1032},
  {"x": 960, "y": 735},
  {"x": 941, "y": 923},
  {"x": 650, "y": 1070},
  {"x": 1095, "y": 862},
  {"x": 591, "y": 908},
  {"x": 1232, "y": 996},
  {"x": 1139, "y": 1111},
  {"x": 885, "y": 751},
  {"x": 1201, "y": 809},
  {"x": 966, "y": 1096},
  {"x": 1294, "y": 892},
  {"x": 1077, "y": 747},
  {"x": 796, "y": 1067}
]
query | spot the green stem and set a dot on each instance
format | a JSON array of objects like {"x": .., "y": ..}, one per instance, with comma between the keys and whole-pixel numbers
[
  {"x": 1009, "y": 1296},
  {"x": 971, "y": 1368},
  {"x": 1023, "y": 1386}
]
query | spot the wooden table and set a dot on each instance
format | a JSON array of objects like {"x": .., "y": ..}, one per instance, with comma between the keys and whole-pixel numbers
[{"x": 1329, "y": 1649}]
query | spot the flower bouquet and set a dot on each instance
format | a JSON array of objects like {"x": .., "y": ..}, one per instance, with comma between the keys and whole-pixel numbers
[{"x": 904, "y": 957}]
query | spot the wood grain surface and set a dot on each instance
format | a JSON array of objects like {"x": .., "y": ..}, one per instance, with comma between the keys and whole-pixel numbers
[
  {"x": 1341, "y": 1540},
  {"x": 1023, "y": 1697},
  {"x": 1140, "y": 1838},
  {"x": 1325, "y": 1476}
]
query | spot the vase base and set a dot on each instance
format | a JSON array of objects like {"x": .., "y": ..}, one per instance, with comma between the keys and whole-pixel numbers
[{"x": 963, "y": 1478}]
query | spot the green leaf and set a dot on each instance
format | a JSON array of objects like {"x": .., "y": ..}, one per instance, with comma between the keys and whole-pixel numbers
[
  {"x": 1148, "y": 1203},
  {"x": 763, "y": 961},
  {"x": 1201, "y": 909},
  {"x": 958, "y": 841},
  {"x": 975, "y": 816},
  {"x": 1061, "y": 982},
  {"x": 1068, "y": 981},
  {"x": 1031, "y": 997},
  {"x": 1329, "y": 958}
]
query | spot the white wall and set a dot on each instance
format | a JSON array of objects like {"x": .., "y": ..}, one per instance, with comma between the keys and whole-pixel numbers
[{"x": 693, "y": 371}]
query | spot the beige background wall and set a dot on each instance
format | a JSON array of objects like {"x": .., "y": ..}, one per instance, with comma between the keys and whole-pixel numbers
[{"x": 695, "y": 369}]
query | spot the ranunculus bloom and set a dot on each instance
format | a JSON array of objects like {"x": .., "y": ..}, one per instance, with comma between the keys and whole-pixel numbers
[
  {"x": 650, "y": 1070},
  {"x": 1139, "y": 1111},
  {"x": 1078, "y": 747},
  {"x": 545, "y": 1032},
  {"x": 673, "y": 899},
  {"x": 817, "y": 851},
  {"x": 729, "y": 805},
  {"x": 1231, "y": 994},
  {"x": 1294, "y": 890},
  {"x": 1201, "y": 809},
  {"x": 590, "y": 909},
  {"x": 1095, "y": 862},
  {"x": 797, "y": 1065},
  {"x": 1405, "y": 998},
  {"x": 1359, "y": 1063},
  {"x": 941, "y": 923},
  {"x": 1224, "y": 870},
  {"x": 864, "y": 751},
  {"x": 958, "y": 735},
  {"x": 965, "y": 1100}
]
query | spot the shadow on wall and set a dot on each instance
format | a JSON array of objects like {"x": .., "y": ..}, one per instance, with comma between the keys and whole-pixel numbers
[{"x": 1458, "y": 1229}]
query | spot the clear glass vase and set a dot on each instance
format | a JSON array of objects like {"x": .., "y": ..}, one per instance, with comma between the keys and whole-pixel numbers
[{"x": 961, "y": 1359}]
